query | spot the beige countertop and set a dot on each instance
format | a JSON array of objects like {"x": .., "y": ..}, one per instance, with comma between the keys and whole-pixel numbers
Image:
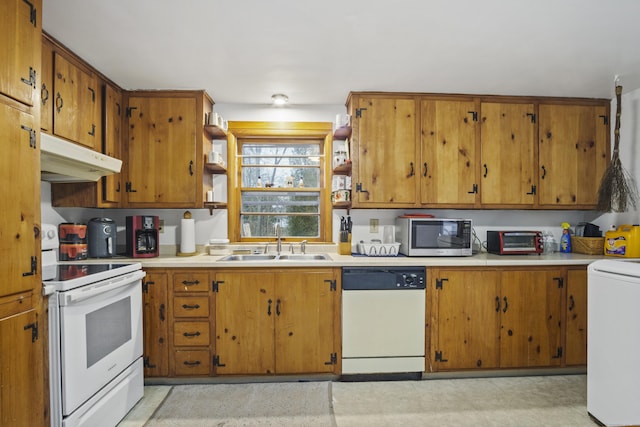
[{"x": 480, "y": 260}]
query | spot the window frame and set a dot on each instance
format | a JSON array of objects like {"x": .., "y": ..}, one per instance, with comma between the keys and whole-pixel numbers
[{"x": 246, "y": 131}]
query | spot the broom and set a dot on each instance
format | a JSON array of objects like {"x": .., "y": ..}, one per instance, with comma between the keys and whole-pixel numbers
[{"x": 617, "y": 190}]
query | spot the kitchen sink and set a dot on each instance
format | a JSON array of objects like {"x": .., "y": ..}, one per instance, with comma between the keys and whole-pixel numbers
[
  {"x": 304, "y": 257},
  {"x": 248, "y": 257},
  {"x": 269, "y": 257}
]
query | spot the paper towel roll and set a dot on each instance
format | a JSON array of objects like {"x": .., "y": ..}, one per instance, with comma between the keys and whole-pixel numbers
[{"x": 187, "y": 236}]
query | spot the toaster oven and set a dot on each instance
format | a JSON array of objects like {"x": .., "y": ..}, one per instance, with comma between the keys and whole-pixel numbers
[{"x": 514, "y": 242}]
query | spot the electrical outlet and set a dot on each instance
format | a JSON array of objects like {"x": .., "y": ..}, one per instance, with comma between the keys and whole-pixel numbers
[
  {"x": 161, "y": 226},
  {"x": 373, "y": 225}
]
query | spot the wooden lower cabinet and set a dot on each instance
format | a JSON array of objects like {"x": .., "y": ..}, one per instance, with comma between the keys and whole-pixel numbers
[
  {"x": 274, "y": 322},
  {"x": 22, "y": 348},
  {"x": 490, "y": 318},
  {"x": 156, "y": 342},
  {"x": 576, "y": 317}
]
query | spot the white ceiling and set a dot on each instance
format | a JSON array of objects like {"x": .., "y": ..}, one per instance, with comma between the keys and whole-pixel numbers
[{"x": 243, "y": 51}]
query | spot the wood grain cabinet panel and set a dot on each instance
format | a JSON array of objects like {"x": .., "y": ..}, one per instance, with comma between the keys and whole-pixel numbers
[
  {"x": 490, "y": 318},
  {"x": 508, "y": 163},
  {"x": 576, "y": 313},
  {"x": 276, "y": 322},
  {"x": 192, "y": 362},
  {"x": 191, "y": 306},
  {"x": 155, "y": 323},
  {"x": 20, "y": 32},
  {"x": 574, "y": 154},
  {"x": 76, "y": 103},
  {"x": 385, "y": 163},
  {"x": 191, "y": 333},
  {"x": 449, "y": 164}
]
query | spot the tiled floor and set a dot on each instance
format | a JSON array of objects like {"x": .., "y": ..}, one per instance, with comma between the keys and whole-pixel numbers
[{"x": 509, "y": 401}]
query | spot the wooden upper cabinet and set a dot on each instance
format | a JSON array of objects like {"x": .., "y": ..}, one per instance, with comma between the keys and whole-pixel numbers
[
  {"x": 574, "y": 153},
  {"x": 46, "y": 87},
  {"x": 161, "y": 151},
  {"x": 75, "y": 103},
  {"x": 385, "y": 159},
  {"x": 20, "y": 219},
  {"x": 112, "y": 186},
  {"x": 508, "y": 158},
  {"x": 449, "y": 136},
  {"x": 20, "y": 32}
]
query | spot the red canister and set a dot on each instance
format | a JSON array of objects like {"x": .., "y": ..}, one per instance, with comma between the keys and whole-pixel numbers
[{"x": 73, "y": 251}]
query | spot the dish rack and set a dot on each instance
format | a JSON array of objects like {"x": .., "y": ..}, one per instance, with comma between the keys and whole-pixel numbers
[{"x": 378, "y": 248}]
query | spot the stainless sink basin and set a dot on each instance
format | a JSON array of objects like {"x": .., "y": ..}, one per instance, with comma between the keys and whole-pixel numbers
[
  {"x": 248, "y": 257},
  {"x": 304, "y": 257},
  {"x": 273, "y": 257}
]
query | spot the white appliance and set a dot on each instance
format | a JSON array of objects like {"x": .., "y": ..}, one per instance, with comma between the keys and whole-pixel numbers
[
  {"x": 95, "y": 337},
  {"x": 613, "y": 353},
  {"x": 383, "y": 320},
  {"x": 64, "y": 161}
]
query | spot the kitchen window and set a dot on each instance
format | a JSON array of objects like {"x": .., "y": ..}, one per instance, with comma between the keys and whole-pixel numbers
[{"x": 281, "y": 180}]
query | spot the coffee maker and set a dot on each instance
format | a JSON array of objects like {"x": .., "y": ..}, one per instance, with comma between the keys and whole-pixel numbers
[{"x": 142, "y": 236}]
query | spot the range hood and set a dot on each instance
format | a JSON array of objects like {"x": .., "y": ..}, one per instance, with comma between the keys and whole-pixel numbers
[{"x": 64, "y": 161}]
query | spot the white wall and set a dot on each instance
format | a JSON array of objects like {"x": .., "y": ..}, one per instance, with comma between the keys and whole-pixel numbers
[{"x": 215, "y": 226}]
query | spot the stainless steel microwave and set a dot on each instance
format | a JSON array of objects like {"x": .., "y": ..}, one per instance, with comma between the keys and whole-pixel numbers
[{"x": 423, "y": 236}]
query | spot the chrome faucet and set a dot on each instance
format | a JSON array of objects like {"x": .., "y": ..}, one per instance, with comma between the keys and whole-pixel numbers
[
  {"x": 279, "y": 239},
  {"x": 291, "y": 248},
  {"x": 303, "y": 247}
]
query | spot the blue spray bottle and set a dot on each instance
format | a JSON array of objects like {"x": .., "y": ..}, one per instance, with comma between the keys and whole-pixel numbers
[{"x": 565, "y": 239}]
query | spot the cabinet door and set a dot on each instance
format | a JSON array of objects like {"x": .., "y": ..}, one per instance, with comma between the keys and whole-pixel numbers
[
  {"x": 576, "y": 342},
  {"x": 161, "y": 151},
  {"x": 245, "y": 312},
  {"x": 508, "y": 162},
  {"x": 573, "y": 154},
  {"x": 75, "y": 104},
  {"x": 530, "y": 331},
  {"x": 21, "y": 371},
  {"x": 304, "y": 322},
  {"x": 46, "y": 87},
  {"x": 465, "y": 319},
  {"x": 20, "y": 219},
  {"x": 385, "y": 140},
  {"x": 448, "y": 167},
  {"x": 112, "y": 141},
  {"x": 156, "y": 344},
  {"x": 20, "y": 32}
]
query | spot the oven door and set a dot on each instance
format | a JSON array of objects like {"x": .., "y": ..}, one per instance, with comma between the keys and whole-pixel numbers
[{"x": 101, "y": 335}]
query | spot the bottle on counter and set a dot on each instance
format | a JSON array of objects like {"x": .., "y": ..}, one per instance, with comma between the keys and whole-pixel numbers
[
  {"x": 565, "y": 239},
  {"x": 259, "y": 182}
]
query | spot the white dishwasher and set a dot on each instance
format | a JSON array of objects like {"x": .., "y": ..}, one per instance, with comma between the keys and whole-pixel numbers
[
  {"x": 383, "y": 320},
  {"x": 613, "y": 336}
]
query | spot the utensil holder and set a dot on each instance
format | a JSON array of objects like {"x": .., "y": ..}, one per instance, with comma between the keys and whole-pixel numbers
[{"x": 344, "y": 248}]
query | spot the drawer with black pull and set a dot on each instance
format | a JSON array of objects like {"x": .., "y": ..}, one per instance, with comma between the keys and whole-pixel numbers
[
  {"x": 191, "y": 333},
  {"x": 190, "y": 307}
]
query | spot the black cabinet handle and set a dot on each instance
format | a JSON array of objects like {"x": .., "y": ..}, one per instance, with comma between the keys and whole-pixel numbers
[
  {"x": 44, "y": 94},
  {"x": 506, "y": 305},
  {"x": 189, "y": 363},
  {"x": 191, "y": 307},
  {"x": 544, "y": 172},
  {"x": 269, "y": 308},
  {"x": 572, "y": 303},
  {"x": 425, "y": 170},
  {"x": 162, "y": 312},
  {"x": 412, "y": 171},
  {"x": 59, "y": 102},
  {"x": 191, "y": 167},
  {"x": 497, "y": 304},
  {"x": 190, "y": 282},
  {"x": 486, "y": 170},
  {"x": 278, "y": 307},
  {"x": 191, "y": 334}
]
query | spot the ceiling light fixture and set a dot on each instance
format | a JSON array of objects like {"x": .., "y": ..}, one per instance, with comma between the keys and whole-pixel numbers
[{"x": 279, "y": 99}]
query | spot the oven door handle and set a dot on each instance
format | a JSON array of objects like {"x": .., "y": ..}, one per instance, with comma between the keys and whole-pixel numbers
[{"x": 91, "y": 291}]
